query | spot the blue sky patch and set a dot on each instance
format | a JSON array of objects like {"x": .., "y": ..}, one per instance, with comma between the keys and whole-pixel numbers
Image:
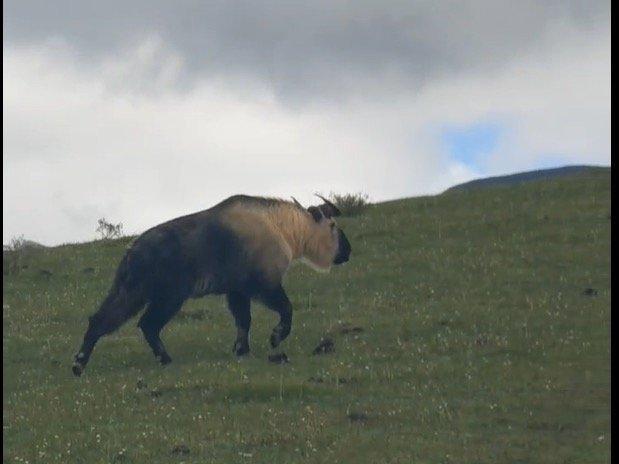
[{"x": 471, "y": 144}]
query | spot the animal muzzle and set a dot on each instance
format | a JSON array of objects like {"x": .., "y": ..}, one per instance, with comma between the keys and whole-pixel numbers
[{"x": 344, "y": 249}]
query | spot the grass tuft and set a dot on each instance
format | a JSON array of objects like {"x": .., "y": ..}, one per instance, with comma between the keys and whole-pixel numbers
[{"x": 350, "y": 204}]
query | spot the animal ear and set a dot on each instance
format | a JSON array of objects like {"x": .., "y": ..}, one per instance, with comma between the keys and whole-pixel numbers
[
  {"x": 329, "y": 211},
  {"x": 316, "y": 213},
  {"x": 328, "y": 208}
]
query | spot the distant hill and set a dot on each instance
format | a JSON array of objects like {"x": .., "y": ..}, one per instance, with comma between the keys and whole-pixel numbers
[{"x": 540, "y": 174}]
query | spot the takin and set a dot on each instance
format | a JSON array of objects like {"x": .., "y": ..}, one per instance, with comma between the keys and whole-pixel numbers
[{"x": 241, "y": 247}]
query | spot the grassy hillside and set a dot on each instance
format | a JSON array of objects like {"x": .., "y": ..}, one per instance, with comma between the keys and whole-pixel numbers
[{"x": 484, "y": 335}]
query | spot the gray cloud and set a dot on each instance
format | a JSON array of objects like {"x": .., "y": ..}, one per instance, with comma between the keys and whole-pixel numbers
[
  {"x": 319, "y": 50},
  {"x": 140, "y": 113}
]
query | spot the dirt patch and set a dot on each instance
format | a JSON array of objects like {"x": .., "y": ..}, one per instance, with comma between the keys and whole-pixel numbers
[
  {"x": 358, "y": 417},
  {"x": 326, "y": 345},
  {"x": 280, "y": 358},
  {"x": 345, "y": 381},
  {"x": 180, "y": 450},
  {"x": 337, "y": 381},
  {"x": 316, "y": 380},
  {"x": 345, "y": 328}
]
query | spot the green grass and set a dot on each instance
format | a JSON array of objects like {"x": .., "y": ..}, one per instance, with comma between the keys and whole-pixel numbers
[{"x": 478, "y": 346}]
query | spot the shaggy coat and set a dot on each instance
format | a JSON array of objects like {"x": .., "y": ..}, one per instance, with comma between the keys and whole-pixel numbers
[{"x": 241, "y": 247}]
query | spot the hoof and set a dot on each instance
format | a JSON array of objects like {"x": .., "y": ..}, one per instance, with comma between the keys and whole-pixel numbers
[
  {"x": 77, "y": 369},
  {"x": 164, "y": 359},
  {"x": 240, "y": 349}
]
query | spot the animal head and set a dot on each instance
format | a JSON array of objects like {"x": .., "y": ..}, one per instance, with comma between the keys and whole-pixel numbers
[{"x": 329, "y": 245}]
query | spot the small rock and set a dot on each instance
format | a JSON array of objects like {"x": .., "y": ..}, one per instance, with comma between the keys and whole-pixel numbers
[
  {"x": 316, "y": 380},
  {"x": 345, "y": 329},
  {"x": 348, "y": 329},
  {"x": 279, "y": 358},
  {"x": 344, "y": 380},
  {"x": 590, "y": 292},
  {"x": 181, "y": 450},
  {"x": 326, "y": 345},
  {"x": 481, "y": 341},
  {"x": 358, "y": 417}
]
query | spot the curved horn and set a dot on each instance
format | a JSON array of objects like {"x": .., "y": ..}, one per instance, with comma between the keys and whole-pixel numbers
[
  {"x": 335, "y": 210},
  {"x": 297, "y": 203}
]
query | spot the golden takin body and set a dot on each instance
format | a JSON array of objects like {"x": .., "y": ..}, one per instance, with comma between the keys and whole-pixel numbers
[{"x": 241, "y": 247}]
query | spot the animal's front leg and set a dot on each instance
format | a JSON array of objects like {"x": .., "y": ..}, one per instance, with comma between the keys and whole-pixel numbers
[
  {"x": 239, "y": 305},
  {"x": 278, "y": 301}
]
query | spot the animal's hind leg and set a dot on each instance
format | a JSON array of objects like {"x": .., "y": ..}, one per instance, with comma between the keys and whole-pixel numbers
[
  {"x": 277, "y": 300},
  {"x": 157, "y": 315},
  {"x": 239, "y": 305},
  {"x": 119, "y": 306}
]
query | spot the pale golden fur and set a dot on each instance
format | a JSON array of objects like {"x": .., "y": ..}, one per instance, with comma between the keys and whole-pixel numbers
[{"x": 279, "y": 232}]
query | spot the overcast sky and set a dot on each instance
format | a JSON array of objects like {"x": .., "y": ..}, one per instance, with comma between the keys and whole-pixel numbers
[{"x": 145, "y": 110}]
